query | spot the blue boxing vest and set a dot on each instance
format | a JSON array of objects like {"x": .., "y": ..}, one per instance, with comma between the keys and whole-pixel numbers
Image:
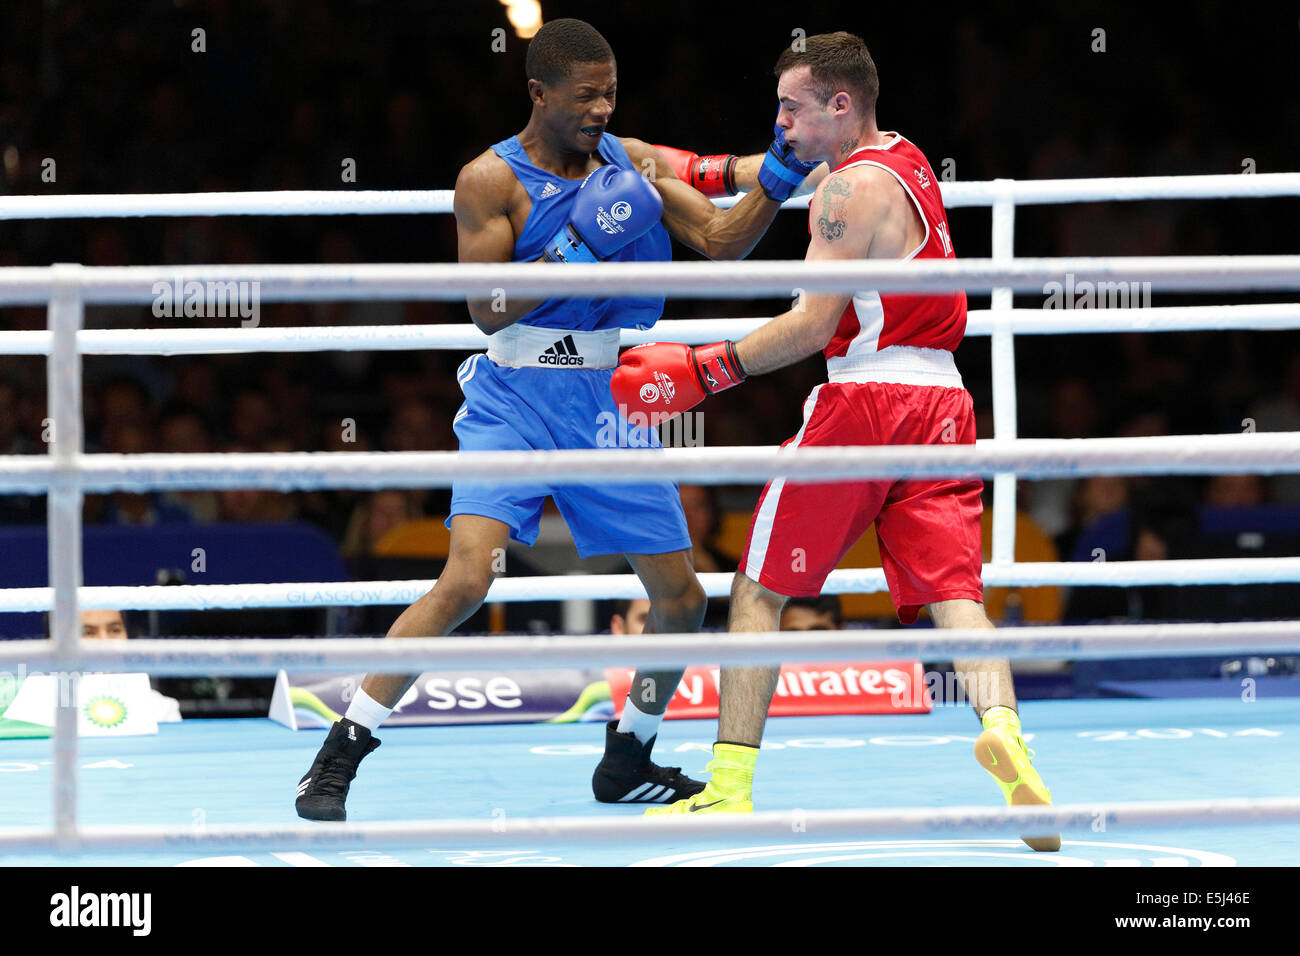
[{"x": 552, "y": 197}]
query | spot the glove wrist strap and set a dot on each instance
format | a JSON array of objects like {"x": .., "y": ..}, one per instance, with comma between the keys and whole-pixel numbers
[
  {"x": 715, "y": 175},
  {"x": 567, "y": 246},
  {"x": 734, "y": 355},
  {"x": 777, "y": 180},
  {"x": 718, "y": 367}
]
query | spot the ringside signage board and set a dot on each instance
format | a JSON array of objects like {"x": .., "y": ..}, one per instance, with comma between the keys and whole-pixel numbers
[
  {"x": 451, "y": 697},
  {"x": 836, "y": 687},
  {"x": 108, "y": 705},
  {"x": 562, "y": 696}
]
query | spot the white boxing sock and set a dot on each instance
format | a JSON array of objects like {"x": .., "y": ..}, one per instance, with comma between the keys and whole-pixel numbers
[
  {"x": 637, "y": 722},
  {"x": 367, "y": 711}
]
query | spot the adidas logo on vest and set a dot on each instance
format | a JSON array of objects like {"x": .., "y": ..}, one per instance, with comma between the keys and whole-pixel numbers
[
  {"x": 563, "y": 352},
  {"x": 549, "y": 190}
]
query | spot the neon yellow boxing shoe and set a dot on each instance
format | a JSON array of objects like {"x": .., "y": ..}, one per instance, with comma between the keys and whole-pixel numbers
[
  {"x": 728, "y": 790},
  {"x": 1001, "y": 751}
]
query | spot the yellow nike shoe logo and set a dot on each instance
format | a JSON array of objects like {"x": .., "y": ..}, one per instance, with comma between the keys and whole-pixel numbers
[{"x": 702, "y": 806}]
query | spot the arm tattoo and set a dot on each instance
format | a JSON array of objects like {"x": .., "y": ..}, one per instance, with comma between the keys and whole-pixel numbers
[
  {"x": 839, "y": 186},
  {"x": 834, "y": 218}
]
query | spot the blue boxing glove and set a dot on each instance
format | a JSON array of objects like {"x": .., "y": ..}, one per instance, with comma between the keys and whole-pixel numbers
[
  {"x": 782, "y": 173},
  {"x": 613, "y": 207}
]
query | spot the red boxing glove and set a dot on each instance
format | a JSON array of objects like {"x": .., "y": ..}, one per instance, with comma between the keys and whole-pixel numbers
[
  {"x": 711, "y": 175},
  {"x": 663, "y": 379}
]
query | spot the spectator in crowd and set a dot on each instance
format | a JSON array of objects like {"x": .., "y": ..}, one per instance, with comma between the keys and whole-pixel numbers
[
  {"x": 1149, "y": 418},
  {"x": 1073, "y": 414},
  {"x": 1095, "y": 497},
  {"x": 17, "y": 509},
  {"x": 13, "y": 441},
  {"x": 96, "y": 625},
  {"x": 417, "y": 426},
  {"x": 197, "y": 385},
  {"x": 111, "y": 625},
  {"x": 631, "y": 617},
  {"x": 1162, "y": 526},
  {"x": 822, "y": 613},
  {"x": 122, "y": 402},
  {"x": 183, "y": 430},
  {"x": 698, "y": 501},
  {"x": 1280, "y": 412},
  {"x": 253, "y": 421},
  {"x": 143, "y": 509},
  {"x": 253, "y": 504},
  {"x": 331, "y": 509},
  {"x": 1236, "y": 491},
  {"x": 291, "y": 399},
  {"x": 376, "y": 515}
]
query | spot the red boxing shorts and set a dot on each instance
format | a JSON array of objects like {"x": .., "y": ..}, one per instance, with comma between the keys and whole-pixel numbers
[{"x": 929, "y": 530}]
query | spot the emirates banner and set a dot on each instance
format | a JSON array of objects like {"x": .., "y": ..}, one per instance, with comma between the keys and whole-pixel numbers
[{"x": 836, "y": 687}]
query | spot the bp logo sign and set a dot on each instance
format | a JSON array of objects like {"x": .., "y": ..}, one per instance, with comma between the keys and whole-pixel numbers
[{"x": 105, "y": 711}]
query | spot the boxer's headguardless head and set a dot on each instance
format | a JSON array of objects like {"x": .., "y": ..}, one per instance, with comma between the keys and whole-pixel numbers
[
  {"x": 827, "y": 86},
  {"x": 572, "y": 79},
  {"x": 838, "y": 62},
  {"x": 560, "y": 45}
]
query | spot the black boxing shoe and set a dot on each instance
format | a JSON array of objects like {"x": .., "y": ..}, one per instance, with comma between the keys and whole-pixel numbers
[
  {"x": 626, "y": 775},
  {"x": 323, "y": 790}
]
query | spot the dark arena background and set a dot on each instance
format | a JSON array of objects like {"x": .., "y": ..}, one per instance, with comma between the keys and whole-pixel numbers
[{"x": 216, "y": 97}]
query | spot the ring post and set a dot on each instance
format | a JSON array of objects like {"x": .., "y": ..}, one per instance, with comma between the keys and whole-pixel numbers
[
  {"x": 63, "y": 373},
  {"x": 1004, "y": 379}
]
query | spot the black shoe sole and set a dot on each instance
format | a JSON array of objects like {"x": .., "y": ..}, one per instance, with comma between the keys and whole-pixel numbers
[{"x": 322, "y": 814}]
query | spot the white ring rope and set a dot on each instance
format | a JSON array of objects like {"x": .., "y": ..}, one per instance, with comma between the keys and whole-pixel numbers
[
  {"x": 141, "y": 285},
  {"x": 242, "y": 657},
  {"x": 1193, "y": 318},
  {"x": 597, "y": 587},
  {"x": 281, "y": 202},
  {"x": 324, "y": 202},
  {"x": 1258, "y": 452},
  {"x": 1036, "y": 192},
  {"x": 820, "y": 825},
  {"x": 1265, "y": 317}
]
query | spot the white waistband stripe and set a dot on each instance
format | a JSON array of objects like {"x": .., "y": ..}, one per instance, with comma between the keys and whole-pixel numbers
[
  {"x": 523, "y": 346},
  {"x": 897, "y": 364}
]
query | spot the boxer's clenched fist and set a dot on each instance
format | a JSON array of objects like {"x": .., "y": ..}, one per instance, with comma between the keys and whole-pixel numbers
[
  {"x": 613, "y": 208},
  {"x": 664, "y": 379}
]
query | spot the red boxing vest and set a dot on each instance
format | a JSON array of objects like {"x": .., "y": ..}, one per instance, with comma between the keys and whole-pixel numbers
[{"x": 872, "y": 321}]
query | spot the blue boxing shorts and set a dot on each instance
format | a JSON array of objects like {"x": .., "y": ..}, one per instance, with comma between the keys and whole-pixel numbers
[{"x": 517, "y": 409}]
